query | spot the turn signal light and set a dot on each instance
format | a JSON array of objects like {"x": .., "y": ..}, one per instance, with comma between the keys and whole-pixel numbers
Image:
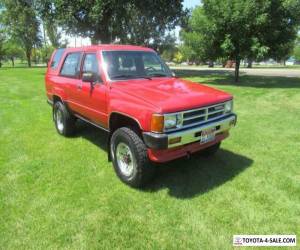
[
  {"x": 175, "y": 140},
  {"x": 157, "y": 123}
]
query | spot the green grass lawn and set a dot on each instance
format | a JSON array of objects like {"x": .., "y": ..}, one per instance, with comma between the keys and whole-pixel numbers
[{"x": 63, "y": 193}]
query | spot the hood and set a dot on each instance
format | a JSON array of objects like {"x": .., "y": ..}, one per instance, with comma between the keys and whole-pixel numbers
[{"x": 172, "y": 94}]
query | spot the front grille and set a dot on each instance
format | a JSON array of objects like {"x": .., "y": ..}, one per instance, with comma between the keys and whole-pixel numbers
[{"x": 198, "y": 116}]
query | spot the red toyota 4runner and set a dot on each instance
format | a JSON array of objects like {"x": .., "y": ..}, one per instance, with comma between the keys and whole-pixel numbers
[{"x": 150, "y": 115}]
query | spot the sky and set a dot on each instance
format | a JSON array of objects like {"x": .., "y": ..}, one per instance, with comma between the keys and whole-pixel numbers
[
  {"x": 80, "y": 41},
  {"x": 191, "y": 3}
]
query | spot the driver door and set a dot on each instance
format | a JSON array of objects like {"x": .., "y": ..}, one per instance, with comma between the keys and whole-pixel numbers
[{"x": 92, "y": 96}]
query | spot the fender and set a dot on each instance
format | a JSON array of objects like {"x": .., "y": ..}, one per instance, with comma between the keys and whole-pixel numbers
[
  {"x": 57, "y": 91},
  {"x": 131, "y": 106},
  {"x": 129, "y": 116}
]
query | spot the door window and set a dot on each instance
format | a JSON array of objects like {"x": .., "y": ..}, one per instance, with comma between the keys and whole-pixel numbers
[
  {"x": 71, "y": 65},
  {"x": 90, "y": 64}
]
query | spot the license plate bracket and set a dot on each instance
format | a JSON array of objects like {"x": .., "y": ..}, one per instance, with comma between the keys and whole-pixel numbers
[{"x": 207, "y": 135}]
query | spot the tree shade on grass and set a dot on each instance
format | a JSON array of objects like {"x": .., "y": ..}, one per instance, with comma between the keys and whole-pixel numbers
[{"x": 62, "y": 193}]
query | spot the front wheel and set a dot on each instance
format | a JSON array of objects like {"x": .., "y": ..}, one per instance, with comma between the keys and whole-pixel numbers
[{"x": 130, "y": 158}]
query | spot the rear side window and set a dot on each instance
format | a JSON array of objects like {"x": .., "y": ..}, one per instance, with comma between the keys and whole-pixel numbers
[
  {"x": 56, "y": 58},
  {"x": 71, "y": 66}
]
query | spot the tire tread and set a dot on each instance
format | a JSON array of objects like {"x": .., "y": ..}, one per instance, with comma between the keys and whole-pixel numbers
[{"x": 145, "y": 170}]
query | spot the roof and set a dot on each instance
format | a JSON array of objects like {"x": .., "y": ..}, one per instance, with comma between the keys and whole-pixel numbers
[{"x": 110, "y": 47}]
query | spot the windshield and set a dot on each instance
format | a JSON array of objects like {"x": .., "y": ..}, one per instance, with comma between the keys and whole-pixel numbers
[{"x": 134, "y": 64}]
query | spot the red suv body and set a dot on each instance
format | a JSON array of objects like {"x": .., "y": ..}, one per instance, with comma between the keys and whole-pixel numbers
[{"x": 150, "y": 115}]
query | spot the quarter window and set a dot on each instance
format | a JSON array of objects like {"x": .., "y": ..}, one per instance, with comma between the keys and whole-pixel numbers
[
  {"x": 56, "y": 58},
  {"x": 71, "y": 66}
]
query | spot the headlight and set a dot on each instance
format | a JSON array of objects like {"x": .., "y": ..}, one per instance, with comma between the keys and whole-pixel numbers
[
  {"x": 161, "y": 123},
  {"x": 228, "y": 106},
  {"x": 173, "y": 121}
]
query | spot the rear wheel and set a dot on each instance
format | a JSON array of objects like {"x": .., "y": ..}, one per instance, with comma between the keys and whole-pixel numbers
[
  {"x": 130, "y": 158},
  {"x": 63, "y": 119}
]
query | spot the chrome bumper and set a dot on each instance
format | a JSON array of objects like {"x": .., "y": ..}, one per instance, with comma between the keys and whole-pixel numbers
[{"x": 164, "y": 141}]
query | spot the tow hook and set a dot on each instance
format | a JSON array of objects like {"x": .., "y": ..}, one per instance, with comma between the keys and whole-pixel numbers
[{"x": 188, "y": 155}]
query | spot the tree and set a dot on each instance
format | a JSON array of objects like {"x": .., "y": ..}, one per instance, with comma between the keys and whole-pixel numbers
[
  {"x": 53, "y": 33},
  {"x": 250, "y": 29},
  {"x": 166, "y": 46},
  {"x": 12, "y": 51},
  {"x": 178, "y": 57},
  {"x": 46, "y": 12},
  {"x": 23, "y": 24},
  {"x": 2, "y": 49},
  {"x": 106, "y": 21},
  {"x": 46, "y": 52},
  {"x": 2, "y": 36},
  {"x": 296, "y": 51},
  {"x": 197, "y": 47}
]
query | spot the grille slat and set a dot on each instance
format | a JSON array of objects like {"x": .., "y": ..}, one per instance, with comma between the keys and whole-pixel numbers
[
  {"x": 188, "y": 114},
  {"x": 194, "y": 117},
  {"x": 195, "y": 120},
  {"x": 201, "y": 115},
  {"x": 216, "y": 111}
]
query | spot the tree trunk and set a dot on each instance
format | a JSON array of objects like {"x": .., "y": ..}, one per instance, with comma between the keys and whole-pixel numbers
[
  {"x": 249, "y": 65},
  {"x": 12, "y": 61},
  {"x": 237, "y": 69},
  {"x": 211, "y": 64},
  {"x": 28, "y": 56}
]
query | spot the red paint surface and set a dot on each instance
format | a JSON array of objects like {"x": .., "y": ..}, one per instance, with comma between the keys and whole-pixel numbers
[{"x": 138, "y": 98}]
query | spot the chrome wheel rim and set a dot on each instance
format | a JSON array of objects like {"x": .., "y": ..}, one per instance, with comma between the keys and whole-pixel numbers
[
  {"x": 59, "y": 120},
  {"x": 125, "y": 159}
]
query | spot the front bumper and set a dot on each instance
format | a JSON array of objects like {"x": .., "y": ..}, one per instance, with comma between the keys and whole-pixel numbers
[{"x": 166, "y": 140}]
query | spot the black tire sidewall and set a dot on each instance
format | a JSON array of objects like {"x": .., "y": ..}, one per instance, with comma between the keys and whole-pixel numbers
[
  {"x": 67, "y": 119},
  {"x": 115, "y": 140},
  {"x": 59, "y": 106}
]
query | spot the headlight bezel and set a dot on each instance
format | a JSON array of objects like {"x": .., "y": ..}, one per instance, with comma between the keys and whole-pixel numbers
[
  {"x": 228, "y": 107},
  {"x": 175, "y": 120}
]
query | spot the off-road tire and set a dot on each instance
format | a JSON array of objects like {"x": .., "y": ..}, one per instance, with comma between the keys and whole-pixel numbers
[
  {"x": 67, "y": 119},
  {"x": 143, "y": 170}
]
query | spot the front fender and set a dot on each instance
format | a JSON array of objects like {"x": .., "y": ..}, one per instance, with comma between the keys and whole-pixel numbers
[{"x": 133, "y": 107}]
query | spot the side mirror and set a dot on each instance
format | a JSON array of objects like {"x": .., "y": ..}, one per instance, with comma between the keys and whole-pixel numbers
[{"x": 89, "y": 77}]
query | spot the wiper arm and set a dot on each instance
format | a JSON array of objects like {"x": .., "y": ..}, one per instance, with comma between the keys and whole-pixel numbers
[
  {"x": 130, "y": 76},
  {"x": 158, "y": 74},
  {"x": 121, "y": 76},
  {"x": 146, "y": 77}
]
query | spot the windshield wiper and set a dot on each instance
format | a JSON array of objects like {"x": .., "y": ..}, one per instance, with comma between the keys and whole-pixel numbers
[
  {"x": 158, "y": 74},
  {"x": 130, "y": 76},
  {"x": 121, "y": 76},
  {"x": 146, "y": 77}
]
